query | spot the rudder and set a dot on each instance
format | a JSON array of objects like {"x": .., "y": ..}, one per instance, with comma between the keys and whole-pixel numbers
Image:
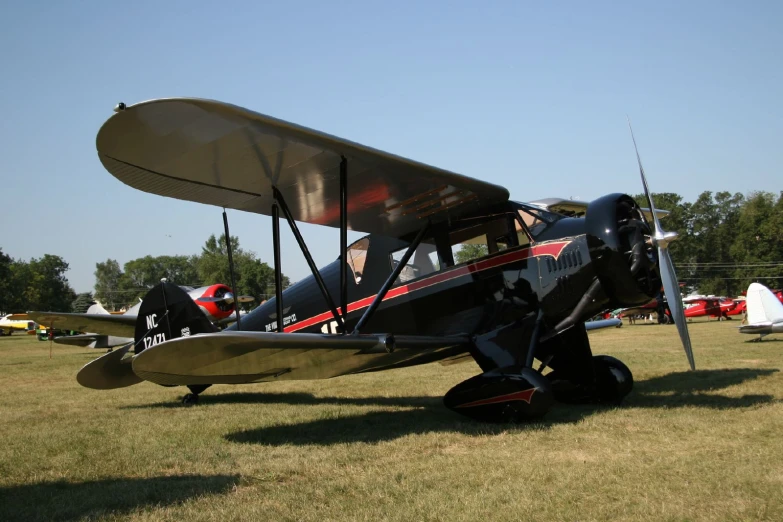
[
  {"x": 763, "y": 305},
  {"x": 167, "y": 312}
]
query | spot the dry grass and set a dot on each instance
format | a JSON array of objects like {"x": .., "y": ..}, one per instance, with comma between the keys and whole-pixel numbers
[{"x": 684, "y": 446}]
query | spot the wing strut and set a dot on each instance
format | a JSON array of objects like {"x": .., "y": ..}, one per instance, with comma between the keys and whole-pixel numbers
[
  {"x": 391, "y": 279},
  {"x": 306, "y": 252},
  {"x": 278, "y": 273},
  {"x": 231, "y": 268},
  {"x": 344, "y": 241}
]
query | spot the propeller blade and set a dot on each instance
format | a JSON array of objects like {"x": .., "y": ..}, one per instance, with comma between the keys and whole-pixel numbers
[
  {"x": 246, "y": 298},
  {"x": 672, "y": 290},
  {"x": 656, "y": 222}
]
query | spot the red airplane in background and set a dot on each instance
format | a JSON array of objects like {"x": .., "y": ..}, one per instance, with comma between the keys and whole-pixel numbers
[
  {"x": 741, "y": 305},
  {"x": 700, "y": 306}
]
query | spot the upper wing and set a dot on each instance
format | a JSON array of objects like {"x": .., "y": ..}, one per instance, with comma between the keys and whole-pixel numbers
[
  {"x": 227, "y": 156},
  {"x": 17, "y": 317},
  {"x": 575, "y": 208},
  {"x": 119, "y": 325}
]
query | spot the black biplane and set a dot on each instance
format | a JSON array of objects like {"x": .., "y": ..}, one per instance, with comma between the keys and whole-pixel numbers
[{"x": 451, "y": 269}]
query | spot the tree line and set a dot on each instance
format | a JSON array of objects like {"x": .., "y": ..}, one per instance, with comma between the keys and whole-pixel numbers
[
  {"x": 37, "y": 284},
  {"x": 120, "y": 287}
]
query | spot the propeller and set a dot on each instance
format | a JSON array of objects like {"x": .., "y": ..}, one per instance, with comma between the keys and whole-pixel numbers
[
  {"x": 227, "y": 298},
  {"x": 661, "y": 239}
]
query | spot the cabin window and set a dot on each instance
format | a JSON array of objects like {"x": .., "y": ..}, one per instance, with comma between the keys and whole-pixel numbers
[
  {"x": 486, "y": 238},
  {"x": 357, "y": 256},
  {"x": 470, "y": 249},
  {"x": 423, "y": 261}
]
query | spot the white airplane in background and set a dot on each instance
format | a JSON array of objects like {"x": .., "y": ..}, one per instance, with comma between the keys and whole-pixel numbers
[{"x": 765, "y": 312}]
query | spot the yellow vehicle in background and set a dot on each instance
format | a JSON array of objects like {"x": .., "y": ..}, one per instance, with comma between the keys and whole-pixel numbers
[{"x": 16, "y": 323}]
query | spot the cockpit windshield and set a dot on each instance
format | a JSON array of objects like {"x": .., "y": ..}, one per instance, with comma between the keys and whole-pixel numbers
[
  {"x": 357, "y": 255},
  {"x": 536, "y": 220}
]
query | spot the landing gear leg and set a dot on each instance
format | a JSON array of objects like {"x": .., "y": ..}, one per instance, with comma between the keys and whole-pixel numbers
[
  {"x": 514, "y": 392},
  {"x": 191, "y": 399}
]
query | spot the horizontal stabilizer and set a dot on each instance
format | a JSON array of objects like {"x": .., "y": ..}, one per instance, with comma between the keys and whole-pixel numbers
[
  {"x": 758, "y": 328},
  {"x": 109, "y": 372},
  {"x": 119, "y": 325}
]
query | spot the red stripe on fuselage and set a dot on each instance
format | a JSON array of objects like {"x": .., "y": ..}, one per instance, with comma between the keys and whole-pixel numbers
[{"x": 548, "y": 249}]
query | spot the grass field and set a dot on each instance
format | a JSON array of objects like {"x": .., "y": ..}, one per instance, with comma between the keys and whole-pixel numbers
[{"x": 702, "y": 445}]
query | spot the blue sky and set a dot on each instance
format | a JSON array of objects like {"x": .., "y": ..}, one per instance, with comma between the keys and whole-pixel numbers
[{"x": 529, "y": 95}]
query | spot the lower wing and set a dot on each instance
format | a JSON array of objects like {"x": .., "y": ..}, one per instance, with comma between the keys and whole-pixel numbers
[{"x": 244, "y": 357}]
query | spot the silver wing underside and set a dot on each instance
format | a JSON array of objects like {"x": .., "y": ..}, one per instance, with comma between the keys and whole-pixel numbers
[{"x": 245, "y": 357}]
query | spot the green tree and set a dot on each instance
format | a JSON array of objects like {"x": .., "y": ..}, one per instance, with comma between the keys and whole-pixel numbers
[
  {"x": 45, "y": 284},
  {"x": 758, "y": 240},
  {"x": 141, "y": 274},
  {"x": 469, "y": 252},
  {"x": 706, "y": 233},
  {"x": 20, "y": 293},
  {"x": 108, "y": 284},
  {"x": 82, "y": 303},
  {"x": 5, "y": 281},
  {"x": 253, "y": 276},
  {"x": 678, "y": 220}
]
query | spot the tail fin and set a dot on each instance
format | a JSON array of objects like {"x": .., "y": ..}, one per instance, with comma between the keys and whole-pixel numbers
[
  {"x": 97, "y": 309},
  {"x": 167, "y": 312},
  {"x": 762, "y": 305}
]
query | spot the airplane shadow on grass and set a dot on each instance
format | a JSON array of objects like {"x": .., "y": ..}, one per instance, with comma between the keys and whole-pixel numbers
[
  {"x": 427, "y": 414},
  {"x": 101, "y": 498}
]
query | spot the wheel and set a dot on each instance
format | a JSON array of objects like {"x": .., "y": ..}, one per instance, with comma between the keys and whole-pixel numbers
[
  {"x": 613, "y": 379},
  {"x": 506, "y": 394},
  {"x": 190, "y": 399}
]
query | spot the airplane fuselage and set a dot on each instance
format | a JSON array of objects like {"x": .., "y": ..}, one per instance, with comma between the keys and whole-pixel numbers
[{"x": 509, "y": 285}]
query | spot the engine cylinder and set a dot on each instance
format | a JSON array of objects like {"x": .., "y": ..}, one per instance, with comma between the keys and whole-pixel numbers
[{"x": 626, "y": 262}]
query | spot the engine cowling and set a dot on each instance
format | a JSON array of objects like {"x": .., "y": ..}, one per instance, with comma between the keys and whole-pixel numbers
[
  {"x": 215, "y": 310},
  {"x": 625, "y": 260}
]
